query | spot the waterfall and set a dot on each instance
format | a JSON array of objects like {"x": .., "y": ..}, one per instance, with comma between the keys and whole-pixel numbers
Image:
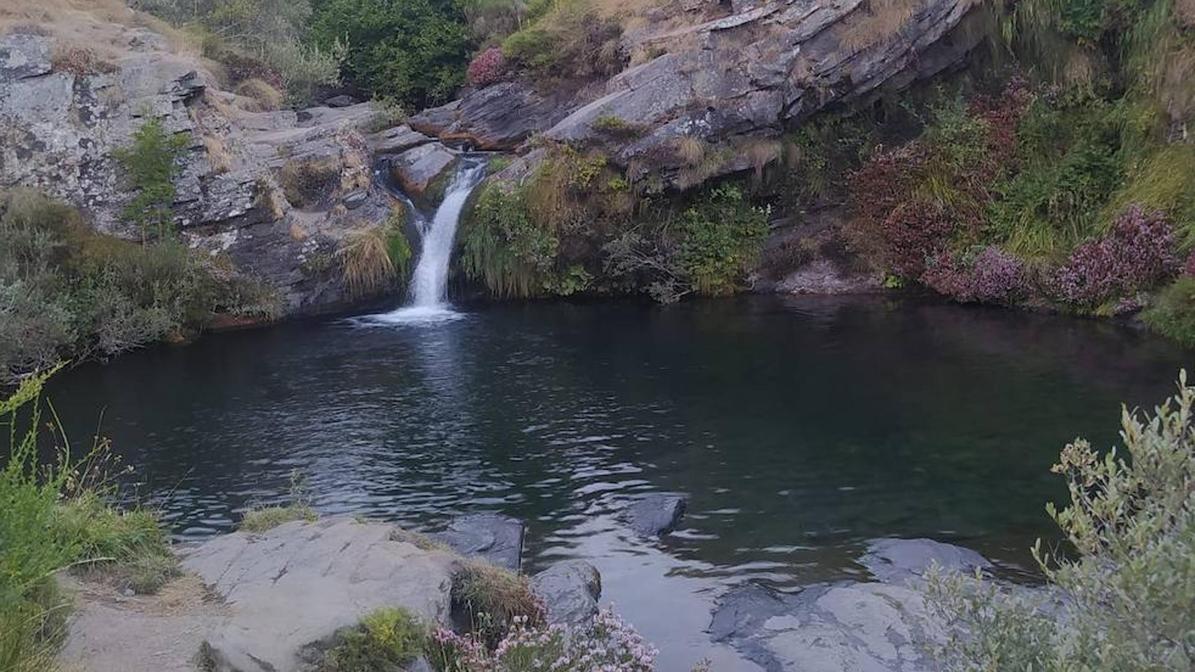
[{"x": 429, "y": 283}]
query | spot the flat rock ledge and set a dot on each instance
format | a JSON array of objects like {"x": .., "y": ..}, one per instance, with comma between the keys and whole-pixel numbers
[
  {"x": 873, "y": 626},
  {"x": 290, "y": 590},
  {"x": 492, "y": 537}
]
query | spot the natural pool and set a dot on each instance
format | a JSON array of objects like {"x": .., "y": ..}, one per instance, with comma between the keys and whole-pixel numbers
[{"x": 799, "y": 427}]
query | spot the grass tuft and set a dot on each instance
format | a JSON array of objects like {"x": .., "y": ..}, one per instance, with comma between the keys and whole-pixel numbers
[
  {"x": 386, "y": 639},
  {"x": 491, "y": 598}
]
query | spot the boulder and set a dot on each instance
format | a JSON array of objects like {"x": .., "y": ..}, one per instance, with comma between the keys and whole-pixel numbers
[
  {"x": 290, "y": 590},
  {"x": 570, "y": 591},
  {"x": 501, "y": 116},
  {"x": 868, "y": 627},
  {"x": 395, "y": 140},
  {"x": 493, "y": 537},
  {"x": 418, "y": 169},
  {"x": 905, "y": 560},
  {"x": 655, "y": 514},
  {"x": 340, "y": 101}
]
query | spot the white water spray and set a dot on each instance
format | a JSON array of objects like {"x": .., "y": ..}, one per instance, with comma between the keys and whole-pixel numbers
[{"x": 429, "y": 284}]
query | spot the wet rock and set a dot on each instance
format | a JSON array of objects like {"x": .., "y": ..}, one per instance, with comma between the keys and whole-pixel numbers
[
  {"x": 495, "y": 538},
  {"x": 417, "y": 169},
  {"x": 656, "y": 514},
  {"x": 291, "y": 589},
  {"x": 501, "y": 116},
  {"x": 865, "y": 626},
  {"x": 570, "y": 590},
  {"x": 903, "y": 560}
]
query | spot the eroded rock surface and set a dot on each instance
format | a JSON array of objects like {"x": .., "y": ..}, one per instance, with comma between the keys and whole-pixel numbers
[
  {"x": 570, "y": 591},
  {"x": 291, "y": 589},
  {"x": 495, "y": 538},
  {"x": 905, "y": 560},
  {"x": 421, "y": 169}
]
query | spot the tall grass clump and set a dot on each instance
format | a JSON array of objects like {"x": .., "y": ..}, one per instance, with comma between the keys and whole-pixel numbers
[
  {"x": 54, "y": 516},
  {"x": 1122, "y": 600},
  {"x": 375, "y": 258}
]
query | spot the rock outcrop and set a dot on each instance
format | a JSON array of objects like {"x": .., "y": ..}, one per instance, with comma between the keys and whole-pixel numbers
[
  {"x": 274, "y": 193},
  {"x": 291, "y": 590}
]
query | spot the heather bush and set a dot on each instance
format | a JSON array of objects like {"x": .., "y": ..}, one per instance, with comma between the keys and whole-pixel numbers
[
  {"x": 487, "y": 67},
  {"x": 991, "y": 276},
  {"x": 1135, "y": 255},
  {"x": 571, "y": 41},
  {"x": 606, "y": 645},
  {"x": 1122, "y": 600}
]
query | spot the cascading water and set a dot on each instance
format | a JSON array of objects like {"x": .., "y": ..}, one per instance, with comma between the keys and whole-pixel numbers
[{"x": 429, "y": 283}]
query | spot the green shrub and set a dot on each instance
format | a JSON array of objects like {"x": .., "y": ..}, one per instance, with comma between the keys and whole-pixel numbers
[
  {"x": 1173, "y": 311},
  {"x": 720, "y": 238},
  {"x": 1126, "y": 595},
  {"x": 505, "y": 247},
  {"x": 570, "y": 41},
  {"x": 387, "y": 639},
  {"x": 151, "y": 164},
  {"x": 414, "y": 52}
]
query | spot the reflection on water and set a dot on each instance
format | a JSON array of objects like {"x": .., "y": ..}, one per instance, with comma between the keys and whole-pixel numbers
[{"x": 799, "y": 428}]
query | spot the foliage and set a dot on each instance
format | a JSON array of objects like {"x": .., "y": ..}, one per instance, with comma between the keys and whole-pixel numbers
[
  {"x": 1135, "y": 255},
  {"x": 53, "y": 516},
  {"x": 262, "y": 518},
  {"x": 570, "y": 41},
  {"x": 1173, "y": 311},
  {"x": 151, "y": 164},
  {"x": 387, "y": 639},
  {"x": 494, "y": 599},
  {"x": 487, "y": 67},
  {"x": 606, "y": 645},
  {"x": 374, "y": 259},
  {"x": 991, "y": 276},
  {"x": 1126, "y": 597},
  {"x": 720, "y": 237},
  {"x": 68, "y": 291},
  {"x": 414, "y": 51},
  {"x": 505, "y": 247}
]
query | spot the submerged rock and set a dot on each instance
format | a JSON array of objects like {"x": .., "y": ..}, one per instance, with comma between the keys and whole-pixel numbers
[
  {"x": 570, "y": 591},
  {"x": 656, "y": 514},
  {"x": 902, "y": 560},
  {"x": 495, "y": 538},
  {"x": 290, "y": 590},
  {"x": 858, "y": 627},
  {"x": 882, "y": 626}
]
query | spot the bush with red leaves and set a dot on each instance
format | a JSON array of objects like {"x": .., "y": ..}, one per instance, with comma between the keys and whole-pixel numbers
[
  {"x": 1136, "y": 254},
  {"x": 487, "y": 67},
  {"x": 993, "y": 276}
]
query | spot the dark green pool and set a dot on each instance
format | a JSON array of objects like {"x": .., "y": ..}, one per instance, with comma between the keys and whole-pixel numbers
[{"x": 799, "y": 428}]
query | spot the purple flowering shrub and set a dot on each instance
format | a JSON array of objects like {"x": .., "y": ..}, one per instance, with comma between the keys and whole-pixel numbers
[
  {"x": 1189, "y": 265},
  {"x": 606, "y": 645},
  {"x": 487, "y": 67},
  {"x": 992, "y": 276},
  {"x": 1136, "y": 254}
]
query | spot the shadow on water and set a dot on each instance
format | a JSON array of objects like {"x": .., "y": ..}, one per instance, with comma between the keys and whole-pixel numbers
[{"x": 800, "y": 427}]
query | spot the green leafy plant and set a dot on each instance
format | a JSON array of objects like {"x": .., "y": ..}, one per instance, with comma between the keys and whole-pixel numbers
[
  {"x": 386, "y": 639},
  {"x": 1124, "y": 600},
  {"x": 1173, "y": 311},
  {"x": 151, "y": 165}
]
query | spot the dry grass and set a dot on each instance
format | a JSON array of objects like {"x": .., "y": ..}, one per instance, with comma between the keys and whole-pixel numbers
[
  {"x": 1184, "y": 12},
  {"x": 259, "y": 96},
  {"x": 365, "y": 262},
  {"x": 79, "y": 61},
  {"x": 307, "y": 182},
  {"x": 96, "y": 23},
  {"x": 492, "y": 597},
  {"x": 761, "y": 153},
  {"x": 690, "y": 150},
  {"x": 875, "y": 20},
  {"x": 217, "y": 153}
]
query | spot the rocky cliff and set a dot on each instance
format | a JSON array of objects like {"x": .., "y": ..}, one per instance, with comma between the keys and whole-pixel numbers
[{"x": 277, "y": 192}]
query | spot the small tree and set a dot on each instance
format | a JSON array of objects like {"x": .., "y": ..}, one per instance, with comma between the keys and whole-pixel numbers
[
  {"x": 151, "y": 165},
  {"x": 1127, "y": 601}
]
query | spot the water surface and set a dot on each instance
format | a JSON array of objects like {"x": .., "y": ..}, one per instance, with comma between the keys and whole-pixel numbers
[{"x": 799, "y": 427}]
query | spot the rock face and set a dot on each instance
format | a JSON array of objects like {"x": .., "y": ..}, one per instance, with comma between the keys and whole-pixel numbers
[
  {"x": 501, "y": 116},
  {"x": 570, "y": 591},
  {"x": 881, "y": 626},
  {"x": 290, "y": 590},
  {"x": 493, "y": 537},
  {"x": 656, "y": 514},
  {"x": 420, "y": 169},
  {"x": 237, "y": 197}
]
